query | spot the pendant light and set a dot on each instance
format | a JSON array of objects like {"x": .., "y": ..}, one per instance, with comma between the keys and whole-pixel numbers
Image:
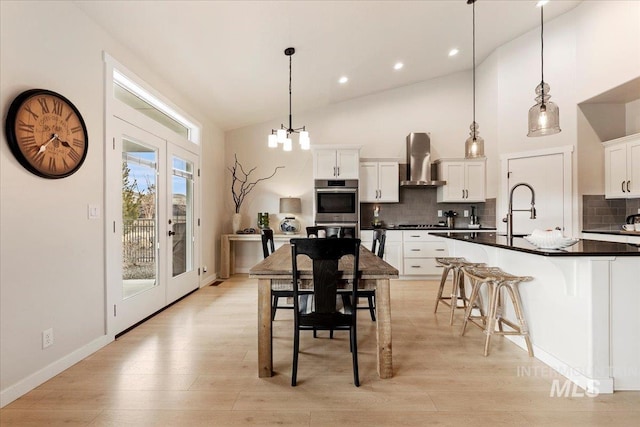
[
  {"x": 283, "y": 135},
  {"x": 544, "y": 117},
  {"x": 474, "y": 145}
]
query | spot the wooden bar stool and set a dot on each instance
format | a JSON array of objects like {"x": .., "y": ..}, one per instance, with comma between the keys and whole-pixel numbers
[
  {"x": 453, "y": 264},
  {"x": 496, "y": 280}
]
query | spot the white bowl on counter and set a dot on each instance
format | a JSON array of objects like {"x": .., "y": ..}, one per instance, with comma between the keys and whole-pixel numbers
[{"x": 552, "y": 239}]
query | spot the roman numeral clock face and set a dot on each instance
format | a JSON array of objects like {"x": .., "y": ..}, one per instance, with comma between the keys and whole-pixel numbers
[{"x": 46, "y": 133}]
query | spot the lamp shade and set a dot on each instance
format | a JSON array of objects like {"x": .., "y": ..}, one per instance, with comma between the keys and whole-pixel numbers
[{"x": 291, "y": 205}]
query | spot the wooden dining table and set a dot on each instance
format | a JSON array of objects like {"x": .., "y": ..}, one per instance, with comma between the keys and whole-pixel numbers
[{"x": 374, "y": 274}]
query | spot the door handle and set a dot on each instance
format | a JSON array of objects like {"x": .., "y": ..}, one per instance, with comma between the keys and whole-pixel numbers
[
  {"x": 171, "y": 233},
  {"x": 623, "y": 190},
  {"x": 628, "y": 189}
]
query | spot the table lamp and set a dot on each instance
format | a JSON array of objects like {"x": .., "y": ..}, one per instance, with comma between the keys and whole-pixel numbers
[{"x": 290, "y": 206}]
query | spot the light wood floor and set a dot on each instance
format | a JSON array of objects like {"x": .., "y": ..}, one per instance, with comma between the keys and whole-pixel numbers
[{"x": 195, "y": 364}]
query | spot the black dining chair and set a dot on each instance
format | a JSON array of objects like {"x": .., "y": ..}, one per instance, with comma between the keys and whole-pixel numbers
[
  {"x": 279, "y": 288},
  {"x": 377, "y": 247},
  {"x": 323, "y": 315}
]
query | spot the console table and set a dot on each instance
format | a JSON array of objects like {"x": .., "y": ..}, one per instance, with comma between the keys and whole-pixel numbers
[{"x": 227, "y": 248}]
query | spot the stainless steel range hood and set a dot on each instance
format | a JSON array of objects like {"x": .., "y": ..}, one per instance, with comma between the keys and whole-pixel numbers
[{"x": 419, "y": 162}]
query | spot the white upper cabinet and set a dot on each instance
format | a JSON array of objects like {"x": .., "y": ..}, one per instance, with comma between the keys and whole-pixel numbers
[
  {"x": 622, "y": 167},
  {"x": 379, "y": 182},
  {"x": 466, "y": 180},
  {"x": 336, "y": 163}
]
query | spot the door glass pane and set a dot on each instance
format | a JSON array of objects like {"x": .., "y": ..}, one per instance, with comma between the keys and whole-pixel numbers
[
  {"x": 139, "y": 218},
  {"x": 182, "y": 215}
]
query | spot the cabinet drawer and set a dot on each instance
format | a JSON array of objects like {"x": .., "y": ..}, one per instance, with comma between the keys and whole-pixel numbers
[
  {"x": 421, "y": 266},
  {"x": 424, "y": 249},
  {"x": 419, "y": 236}
]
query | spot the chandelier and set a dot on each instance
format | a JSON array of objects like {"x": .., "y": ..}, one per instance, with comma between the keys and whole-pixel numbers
[
  {"x": 544, "y": 117},
  {"x": 283, "y": 135},
  {"x": 474, "y": 145}
]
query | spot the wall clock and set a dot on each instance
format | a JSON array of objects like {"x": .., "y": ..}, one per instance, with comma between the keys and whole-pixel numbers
[{"x": 46, "y": 133}]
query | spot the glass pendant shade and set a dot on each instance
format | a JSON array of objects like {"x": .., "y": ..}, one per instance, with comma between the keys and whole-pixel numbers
[
  {"x": 288, "y": 145},
  {"x": 474, "y": 145},
  {"x": 305, "y": 142},
  {"x": 282, "y": 135},
  {"x": 273, "y": 141},
  {"x": 544, "y": 117}
]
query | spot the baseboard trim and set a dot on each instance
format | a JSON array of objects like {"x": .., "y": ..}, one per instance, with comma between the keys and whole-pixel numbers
[
  {"x": 603, "y": 385},
  {"x": 24, "y": 386}
]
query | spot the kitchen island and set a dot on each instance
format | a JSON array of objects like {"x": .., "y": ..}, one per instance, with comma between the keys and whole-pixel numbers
[{"x": 581, "y": 307}]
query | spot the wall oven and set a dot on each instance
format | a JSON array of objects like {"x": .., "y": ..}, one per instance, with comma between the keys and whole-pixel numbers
[{"x": 336, "y": 201}]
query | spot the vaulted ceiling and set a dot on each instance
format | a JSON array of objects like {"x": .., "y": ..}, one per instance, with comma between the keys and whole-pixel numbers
[{"x": 227, "y": 57}]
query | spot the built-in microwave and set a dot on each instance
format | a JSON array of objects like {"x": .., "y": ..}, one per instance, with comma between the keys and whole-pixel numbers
[{"x": 336, "y": 201}]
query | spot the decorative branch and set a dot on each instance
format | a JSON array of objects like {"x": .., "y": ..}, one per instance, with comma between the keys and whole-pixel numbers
[{"x": 240, "y": 184}]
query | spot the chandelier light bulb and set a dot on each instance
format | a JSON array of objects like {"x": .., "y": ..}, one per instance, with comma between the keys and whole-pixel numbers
[
  {"x": 282, "y": 135},
  {"x": 305, "y": 142},
  {"x": 288, "y": 145},
  {"x": 273, "y": 141}
]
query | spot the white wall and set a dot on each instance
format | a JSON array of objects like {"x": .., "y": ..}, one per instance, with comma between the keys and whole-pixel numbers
[
  {"x": 632, "y": 117},
  {"x": 589, "y": 50},
  {"x": 51, "y": 255}
]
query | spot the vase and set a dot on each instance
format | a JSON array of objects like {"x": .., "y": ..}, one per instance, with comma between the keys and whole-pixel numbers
[
  {"x": 290, "y": 225},
  {"x": 263, "y": 220},
  {"x": 235, "y": 222}
]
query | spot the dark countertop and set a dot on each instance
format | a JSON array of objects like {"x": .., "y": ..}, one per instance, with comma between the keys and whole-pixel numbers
[
  {"x": 435, "y": 229},
  {"x": 582, "y": 248},
  {"x": 614, "y": 232}
]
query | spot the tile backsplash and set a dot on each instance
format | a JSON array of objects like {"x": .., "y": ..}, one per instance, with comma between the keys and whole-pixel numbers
[
  {"x": 419, "y": 206},
  {"x": 599, "y": 213}
]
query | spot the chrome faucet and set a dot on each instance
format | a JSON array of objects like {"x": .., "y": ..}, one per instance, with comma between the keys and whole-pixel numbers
[{"x": 509, "y": 218}]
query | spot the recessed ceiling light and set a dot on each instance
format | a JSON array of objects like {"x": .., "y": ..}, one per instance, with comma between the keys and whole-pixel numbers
[
  {"x": 343, "y": 80},
  {"x": 453, "y": 52},
  {"x": 542, "y": 3},
  {"x": 398, "y": 66}
]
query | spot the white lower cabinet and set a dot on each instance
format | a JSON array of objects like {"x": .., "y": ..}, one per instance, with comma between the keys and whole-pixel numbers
[
  {"x": 392, "y": 247},
  {"x": 393, "y": 250},
  {"x": 420, "y": 253},
  {"x": 413, "y": 253}
]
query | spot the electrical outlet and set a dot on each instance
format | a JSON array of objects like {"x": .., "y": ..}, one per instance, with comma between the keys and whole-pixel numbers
[
  {"x": 466, "y": 214},
  {"x": 639, "y": 210},
  {"x": 439, "y": 214},
  {"x": 47, "y": 338},
  {"x": 204, "y": 269}
]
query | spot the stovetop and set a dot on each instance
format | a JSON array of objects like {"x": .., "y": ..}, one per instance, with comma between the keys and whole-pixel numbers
[{"x": 421, "y": 226}]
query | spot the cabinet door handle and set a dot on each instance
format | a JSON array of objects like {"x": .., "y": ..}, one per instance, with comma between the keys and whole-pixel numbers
[
  {"x": 414, "y": 236},
  {"x": 628, "y": 189},
  {"x": 463, "y": 194},
  {"x": 338, "y": 168},
  {"x": 623, "y": 190},
  {"x": 415, "y": 250},
  {"x": 441, "y": 250}
]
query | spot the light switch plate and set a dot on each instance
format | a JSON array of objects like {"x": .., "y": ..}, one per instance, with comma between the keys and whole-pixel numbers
[
  {"x": 93, "y": 211},
  {"x": 439, "y": 214}
]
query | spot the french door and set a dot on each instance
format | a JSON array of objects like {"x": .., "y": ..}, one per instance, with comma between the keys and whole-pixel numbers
[{"x": 151, "y": 247}]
